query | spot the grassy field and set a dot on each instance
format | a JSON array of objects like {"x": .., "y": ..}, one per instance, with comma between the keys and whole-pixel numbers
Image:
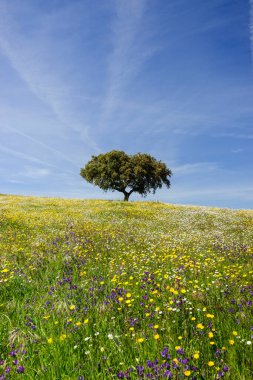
[{"x": 107, "y": 290}]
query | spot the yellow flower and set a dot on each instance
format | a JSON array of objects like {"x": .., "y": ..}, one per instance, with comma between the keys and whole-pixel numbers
[
  {"x": 196, "y": 355},
  {"x": 210, "y": 364},
  {"x": 72, "y": 307},
  {"x": 5, "y": 270},
  {"x": 212, "y": 343},
  {"x": 128, "y": 295},
  {"x": 63, "y": 336},
  {"x": 86, "y": 321},
  {"x": 193, "y": 319},
  {"x": 131, "y": 329},
  {"x": 200, "y": 326},
  {"x": 156, "y": 336},
  {"x": 210, "y": 334},
  {"x": 187, "y": 373},
  {"x": 156, "y": 327},
  {"x": 209, "y": 315},
  {"x": 231, "y": 341},
  {"x": 78, "y": 323},
  {"x": 120, "y": 299},
  {"x": 140, "y": 340},
  {"x": 50, "y": 340},
  {"x": 234, "y": 333}
]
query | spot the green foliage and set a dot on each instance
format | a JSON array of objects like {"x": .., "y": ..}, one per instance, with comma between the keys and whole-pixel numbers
[{"x": 116, "y": 170}]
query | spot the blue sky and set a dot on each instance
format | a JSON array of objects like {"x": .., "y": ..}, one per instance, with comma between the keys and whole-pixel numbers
[{"x": 173, "y": 78}]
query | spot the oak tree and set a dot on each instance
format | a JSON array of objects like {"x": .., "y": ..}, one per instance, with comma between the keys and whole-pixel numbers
[{"x": 116, "y": 170}]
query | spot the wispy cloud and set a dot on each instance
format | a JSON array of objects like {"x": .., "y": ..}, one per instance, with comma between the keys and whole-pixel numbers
[
  {"x": 23, "y": 156},
  {"x": 197, "y": 167},
  {"x": 30, "y": 158},
  {"x": 237, "y": 150},
  {"x": 234, "y": 135},
  {"x": 36, "y": 173},
  {"x": 225, "y": 192},
  {"x": 129, "y": 51},
  {"x": 31, "y": 57},
  {"x": 43, "y": 145}
]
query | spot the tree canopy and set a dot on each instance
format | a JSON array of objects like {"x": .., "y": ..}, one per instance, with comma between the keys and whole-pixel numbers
[{"x": 116, "y": 170}]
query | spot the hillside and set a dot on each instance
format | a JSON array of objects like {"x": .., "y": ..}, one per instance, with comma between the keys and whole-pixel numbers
[{"x": 106, "y": 290}]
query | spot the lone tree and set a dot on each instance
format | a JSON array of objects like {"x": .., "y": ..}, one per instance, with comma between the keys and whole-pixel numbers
[{"x": 116, "y": 170}]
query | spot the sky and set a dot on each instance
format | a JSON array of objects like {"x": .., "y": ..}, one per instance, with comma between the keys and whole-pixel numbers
[{"x": 172, "y": 78}]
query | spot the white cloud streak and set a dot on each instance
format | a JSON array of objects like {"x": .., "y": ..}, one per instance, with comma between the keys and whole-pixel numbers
[
  {"x": 32, "y": 159},
  {"x": 234, "y": 135},
  {"x": 36, "y": 173},
  {"x": 197, "y": 167},
  {"x": 43, "y": 145},
  {"x": 228, "y": 192},
  {"x": 23, "y": 156},
  {"x": 128, "y": 53},
  {"x": 31, "y": 59}
]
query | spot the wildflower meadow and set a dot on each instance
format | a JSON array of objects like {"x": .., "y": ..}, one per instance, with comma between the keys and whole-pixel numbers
[{"x": 116, "y": 290}]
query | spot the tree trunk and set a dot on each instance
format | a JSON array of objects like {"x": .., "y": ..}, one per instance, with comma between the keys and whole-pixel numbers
[{"x": 126, "y": 196}]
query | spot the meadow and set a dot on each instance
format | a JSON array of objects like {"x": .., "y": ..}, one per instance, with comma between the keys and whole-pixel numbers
[{"x": 115, "y": 290}]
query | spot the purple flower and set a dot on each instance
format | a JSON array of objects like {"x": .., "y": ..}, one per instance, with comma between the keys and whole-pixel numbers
[
  {"x": 180, "y": 351},
  {"x": 164, "y": 352},
  {"x": 174, "y": 365},
  {"x": 140, "y": 370},
  {"x": 20, "y": 369},
  {"x": 168, "y": 374}
]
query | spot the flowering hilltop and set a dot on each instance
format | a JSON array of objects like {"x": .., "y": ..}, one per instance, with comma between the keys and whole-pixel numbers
[{"x": 107, "y": 290}]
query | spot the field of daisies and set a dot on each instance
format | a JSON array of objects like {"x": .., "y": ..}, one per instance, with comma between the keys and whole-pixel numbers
[{"x": 116, "y": 290}]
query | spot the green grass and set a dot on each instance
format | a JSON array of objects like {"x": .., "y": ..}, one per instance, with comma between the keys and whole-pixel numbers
[{"x": 107, "y": 290}]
